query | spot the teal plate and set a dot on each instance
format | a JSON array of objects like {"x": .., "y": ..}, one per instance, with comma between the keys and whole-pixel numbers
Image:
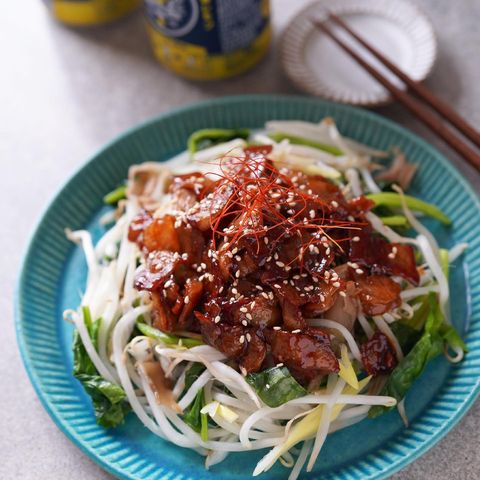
[{"x": 54, "y": 271}]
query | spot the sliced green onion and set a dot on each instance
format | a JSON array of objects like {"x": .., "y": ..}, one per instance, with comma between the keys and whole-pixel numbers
[
  {"x": 395, "y": 221},
  {"x": 390, "y": 199},
  {"x": 211, "y": 136},
  {"x": 278, "y": 137},
  {"x": 156, "y": 334},
  {"x": 116, "y": 195}
]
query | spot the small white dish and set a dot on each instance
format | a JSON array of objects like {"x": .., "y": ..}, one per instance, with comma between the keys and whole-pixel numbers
[{"x": 318, "y": 66}]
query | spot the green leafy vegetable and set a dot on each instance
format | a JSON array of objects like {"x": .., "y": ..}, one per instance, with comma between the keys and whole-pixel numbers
[
  {"x": 419, "y": 317},
  {"x": 211, "y": 136},
  {"x": 452, "y": 338},
  {"x": 192, "y": 374},
  {"x": 391, "y": 199},
  {"x": 116, "y": 195},
  {"x": 278, "y": 137},
  {"x": 192, "y": 416},
  {"x": 428, "y": 346},
  {"x": 108, "y": 400},
  {"x": 406, "y": 335},
  {"x": 156, "y": 334},
  {"x": 395, "y": 221},
  {"x": 275, "y": 386}
]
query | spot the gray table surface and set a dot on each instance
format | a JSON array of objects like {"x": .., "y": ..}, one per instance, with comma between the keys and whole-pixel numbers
[{"x": 64, "y": 93}]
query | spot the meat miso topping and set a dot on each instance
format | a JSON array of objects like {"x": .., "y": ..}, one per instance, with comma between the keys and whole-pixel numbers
[{"x": 248, "y": 256}]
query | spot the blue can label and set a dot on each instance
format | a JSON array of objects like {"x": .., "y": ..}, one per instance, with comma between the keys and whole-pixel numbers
[{"x": 218, "y": 26}]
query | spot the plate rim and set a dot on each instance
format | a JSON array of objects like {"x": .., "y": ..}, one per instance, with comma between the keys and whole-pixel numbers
[
  {"x": 315, "y": 87},
  {"x": 29, "y": 364}
]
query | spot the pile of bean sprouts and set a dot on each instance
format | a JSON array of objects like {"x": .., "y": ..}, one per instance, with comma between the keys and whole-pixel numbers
[{"x": 238, "y": 419}]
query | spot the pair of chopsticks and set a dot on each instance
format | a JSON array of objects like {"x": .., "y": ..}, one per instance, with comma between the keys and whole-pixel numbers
[{"x": 435, "y": 123}]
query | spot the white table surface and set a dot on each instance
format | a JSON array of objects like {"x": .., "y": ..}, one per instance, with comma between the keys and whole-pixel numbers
[{"x": 64, "y": 93}]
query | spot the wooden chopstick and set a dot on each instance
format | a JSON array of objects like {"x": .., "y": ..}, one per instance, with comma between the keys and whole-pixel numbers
[
  {"x": 416, "y": 87},
  {"x": 413, "y": 105}
]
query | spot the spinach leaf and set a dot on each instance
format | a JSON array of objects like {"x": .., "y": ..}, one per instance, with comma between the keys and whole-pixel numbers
[
  {"x": 406, "y": 335},
  {"x": 275, "y": 386},
  {"x": 192, "y": 415},
  {"x": 427, "y": 347},
  {"x": 192, "y": 374},
  {"x": 453, "y": 338},
  {"x": 108, "y": 400}
]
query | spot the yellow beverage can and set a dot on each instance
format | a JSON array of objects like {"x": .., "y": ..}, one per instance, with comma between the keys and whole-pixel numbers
[
  {"x": 208, "y": 39},
  {"x": 84, "y": 13}
]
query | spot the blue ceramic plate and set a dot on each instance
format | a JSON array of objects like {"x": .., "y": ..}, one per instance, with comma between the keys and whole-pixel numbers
[{"x": 54, "y": 273}]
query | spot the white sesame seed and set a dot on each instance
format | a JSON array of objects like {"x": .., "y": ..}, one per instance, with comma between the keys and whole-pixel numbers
[
  {"x": 279, "y": 365},
  {"x": 296, "y": 331},
  {"x": 359, "y": 271},
  {"x": 276, "y": 285},
  {"x": 244, "y": 309},
  {"x": 242, "y": 338},
  {"x": 265, "y": 239},
  {"x": 217, "y": 319},
  {"x": 258, "y": 287},
  {"x": 248, "y": 337},
  {"x": 184, "y": 256},
  {"x": 265, "y": 295},
  {"x": 234, "y": 291},
  {"x": 244, "y": 323},
  {"x": 334, "y": 204},
  {"x": 238, "y": 258},
  {"x": 280, "y": 264},
  {"x": 249, "y": 316},
  {"x": 312, "y": 213},
  {"x": 277, "y": 328},
  {"x": 237, "y": 274},
  {"x": 187, "y": 299},
  {"x": 391, "y": 255},
  {"x": 336, "y": 284},
  {"x": 343, "y": 294},
  {"x": 275, "y": 256},
  {"x": 355, "y": 239},
  {"x": 203, "y": 265},
  {"x": 394, "y": 250},
  {"x": 220, "y": 290}
]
